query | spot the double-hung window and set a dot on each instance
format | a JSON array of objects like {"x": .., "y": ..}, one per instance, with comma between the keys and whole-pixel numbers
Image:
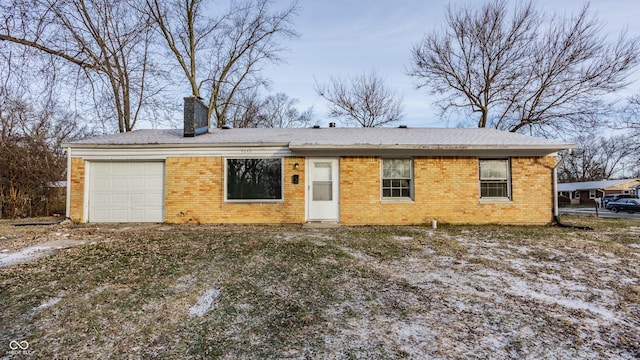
[
  {"x": 495, "y": 178},
  {"x": 397, "y": 178},
  {"x": 254, "y": 179}
]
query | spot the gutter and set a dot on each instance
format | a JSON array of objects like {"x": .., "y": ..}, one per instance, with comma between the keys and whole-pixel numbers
[
  {"x": 173, "y": 145},
  {"x": 312, "y": 147},
  {"x": 436, "y": 147},
  {"x": 421, "y": 150}
]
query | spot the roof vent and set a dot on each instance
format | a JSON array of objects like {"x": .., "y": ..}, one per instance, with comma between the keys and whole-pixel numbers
[
  {"x": 402, "y": 126},
  {"x": 332, "y": 124}
]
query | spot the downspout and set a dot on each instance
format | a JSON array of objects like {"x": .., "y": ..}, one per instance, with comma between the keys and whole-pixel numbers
[
  {"x": 556, "y": 218},
  {"x": 601, "y": 197},
  {"x": 555, "y": 182},
  {"x": 68, "y": 197}
]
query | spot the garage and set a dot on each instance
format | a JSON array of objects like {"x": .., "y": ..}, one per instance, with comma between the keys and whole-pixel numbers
[{"x": 126, "y": 192}]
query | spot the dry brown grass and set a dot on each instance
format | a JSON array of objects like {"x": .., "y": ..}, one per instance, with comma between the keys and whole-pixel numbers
[{"x": 347, "y": 293}]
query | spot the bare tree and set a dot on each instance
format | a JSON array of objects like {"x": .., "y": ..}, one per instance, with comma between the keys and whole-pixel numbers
[
  {"x": 631, "y": 115},
  {"x": 525, "y": 70},
  {"x": 363, "y": 100},
  {"x": 245, "y": 112},
  {"x": 274, "y": 111},
  {"x": 105, "y": 39},
  {"x": 279, "y": 111},
  {"x": 221, "y": 55},
  {"x": 599, "y": 158},
  {"x": 33, "y": 127}
]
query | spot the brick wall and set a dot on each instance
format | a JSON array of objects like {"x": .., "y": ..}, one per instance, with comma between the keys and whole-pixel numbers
[
  {"x": 446, "y": 189},
  {"x": 76, "y": 196},
  {"x": 194, "y": 193}
]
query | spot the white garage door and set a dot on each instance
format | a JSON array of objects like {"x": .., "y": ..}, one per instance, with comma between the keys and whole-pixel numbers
[{"x": 126, "y": 192}]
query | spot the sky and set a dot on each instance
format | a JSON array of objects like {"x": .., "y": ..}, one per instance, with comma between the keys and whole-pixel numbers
[{"x": 350, "y": 37}]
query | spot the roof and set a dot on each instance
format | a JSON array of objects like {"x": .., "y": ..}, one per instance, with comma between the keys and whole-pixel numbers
[
  {"x": 598, "y": 185},
  {"x": 337, "y": 139}
]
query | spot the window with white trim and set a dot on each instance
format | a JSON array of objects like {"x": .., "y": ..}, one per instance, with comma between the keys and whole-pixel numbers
[
  {"x": 397, "y": 178},
  {"x": 254, "y": 179},
  {"x": 495, "y": 178},
  {"x": 592, "y": 194}
]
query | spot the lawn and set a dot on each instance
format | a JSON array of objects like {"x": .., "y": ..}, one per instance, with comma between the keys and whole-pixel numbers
[{"x": 167, "y": 291}]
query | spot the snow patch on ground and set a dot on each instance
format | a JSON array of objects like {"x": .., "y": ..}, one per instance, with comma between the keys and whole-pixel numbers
[
  {"x": 48, "y": 303},
  {"x": 24, "y": 255},
  {"x": 508, "y": 300},
  {"x": 204, "y": 303},
  {"x": 35, "y": 252},
  {"x": 521, "y": 288}
]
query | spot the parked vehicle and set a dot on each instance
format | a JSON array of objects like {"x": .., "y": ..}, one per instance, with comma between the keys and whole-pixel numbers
[
  {"x": 615, "y": 197},
  {"x": 628, "y": 205}
]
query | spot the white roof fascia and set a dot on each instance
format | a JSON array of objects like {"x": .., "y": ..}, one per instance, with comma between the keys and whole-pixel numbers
[
  {"x": 161, "y": 153},
  {"x": 316, "y": 142},
  {"x": 175, "y": 145},
  {"x": 372, "y": 150}
]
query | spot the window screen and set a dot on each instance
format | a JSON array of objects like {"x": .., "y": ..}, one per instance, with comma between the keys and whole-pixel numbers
[
  {"x": 396, "y": 178},
  {"x": 494, "y": 178}
]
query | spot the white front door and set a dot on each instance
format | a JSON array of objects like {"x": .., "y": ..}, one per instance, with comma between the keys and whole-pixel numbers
[{"x": 323, "y": 196}]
